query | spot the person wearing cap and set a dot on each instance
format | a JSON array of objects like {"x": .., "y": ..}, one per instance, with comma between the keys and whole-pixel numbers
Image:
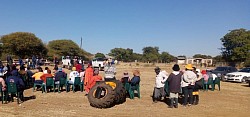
[
  {"x": 161, "y": 77},
  {"x": 59, "y": 74},
  {"x": 174, "y": 84},
  {"x": 125, "y": 78},
  {"x": 187, "y": 84},
  {"x": 205, "y": 76},
  {"x": 88, "y": 75},
  {"x": 95, "y": 78},
  {"x": 72, "y": 75}
]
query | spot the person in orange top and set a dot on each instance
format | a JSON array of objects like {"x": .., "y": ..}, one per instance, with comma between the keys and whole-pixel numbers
[
  {"x": 44, "y": 76},
  {"x": 95, "y": 78},
  {"x": 88, "y": 76}
]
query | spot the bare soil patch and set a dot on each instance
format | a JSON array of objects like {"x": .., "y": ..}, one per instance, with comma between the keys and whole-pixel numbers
[{"x": 232, "y": 101}]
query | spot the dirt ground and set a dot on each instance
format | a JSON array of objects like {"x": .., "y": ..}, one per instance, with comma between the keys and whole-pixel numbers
[{"x": 232, "y": 101}]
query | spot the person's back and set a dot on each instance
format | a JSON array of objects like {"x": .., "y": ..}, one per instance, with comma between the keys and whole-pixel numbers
[
  {"x": 72, "y": 75},
  {"x": 59, "y": 74},
  {"x": 109, "y": 71},
  {"x": 45, "y": 76},
  {"x": 136, "y": 79},
  {"x": 16, "y": 79}
]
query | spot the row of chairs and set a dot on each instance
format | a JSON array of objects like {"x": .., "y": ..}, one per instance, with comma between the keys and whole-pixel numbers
[
  {"x": 211, "y": 83},
  {"x": 62, "y": 83},
  {"x": 11, "y": 90}
]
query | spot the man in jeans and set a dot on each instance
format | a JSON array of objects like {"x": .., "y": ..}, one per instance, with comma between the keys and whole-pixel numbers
[{"x": 187, "y": 84}]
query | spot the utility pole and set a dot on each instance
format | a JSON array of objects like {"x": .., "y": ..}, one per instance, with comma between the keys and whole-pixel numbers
[{"x": 81, "y": 43}]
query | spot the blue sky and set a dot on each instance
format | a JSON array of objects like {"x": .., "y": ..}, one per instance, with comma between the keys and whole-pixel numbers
[{"x": 185, "y": 27}]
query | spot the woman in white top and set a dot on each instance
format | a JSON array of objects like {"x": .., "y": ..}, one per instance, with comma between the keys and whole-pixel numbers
[
  {"x": 72, "y": 75},
  {"x": 188, "y": 81}
]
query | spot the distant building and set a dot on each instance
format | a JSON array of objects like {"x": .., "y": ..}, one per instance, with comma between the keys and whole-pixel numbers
[
  {"x": 181, "y": 60},
  {"x": 194, "y": 61}
]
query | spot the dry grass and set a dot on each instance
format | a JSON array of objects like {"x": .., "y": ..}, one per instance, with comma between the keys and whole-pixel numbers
[{"x": 233, "y": 100}]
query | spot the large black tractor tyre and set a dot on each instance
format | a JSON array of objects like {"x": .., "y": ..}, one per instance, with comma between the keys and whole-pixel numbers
[
  {"x": 101, "y": 96},
  {"x": 120, "y": 96}
]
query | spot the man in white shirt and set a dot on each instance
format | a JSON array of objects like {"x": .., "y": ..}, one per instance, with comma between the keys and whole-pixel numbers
[{"x": 161, "y": 77}]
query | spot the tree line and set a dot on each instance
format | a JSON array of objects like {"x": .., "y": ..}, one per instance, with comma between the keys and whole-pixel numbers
[{"x": 235, "y": 49}]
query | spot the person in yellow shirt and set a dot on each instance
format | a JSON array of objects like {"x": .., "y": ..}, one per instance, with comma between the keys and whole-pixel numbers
[{"x": 37, "y": 76}]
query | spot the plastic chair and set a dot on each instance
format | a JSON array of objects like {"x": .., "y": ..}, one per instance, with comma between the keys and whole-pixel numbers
[
  {"x": 209, "y": 82},
  {"x": 166, "y": 88},
  {"x": 49, "y": 82},
  {"x": 217, "y": 81},
  {"x": 131, "y": 92},
  {"x": 12, "y": 89},
  {"x": 77, "y": 82},
  {"x": 62, "y": 82}
]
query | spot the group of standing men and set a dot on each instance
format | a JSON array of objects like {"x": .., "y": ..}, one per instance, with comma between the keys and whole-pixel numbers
[{"x": 179, "y": 82}]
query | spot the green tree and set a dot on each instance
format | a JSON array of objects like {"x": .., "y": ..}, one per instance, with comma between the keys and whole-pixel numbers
[
  {"x": 236, "y": 46},
  {"x": 151, "y": 54},
  {"x": 23, "y": 44},
  {"x": 165, "y": 57},
  {"x": 122, "y": 54},
  {"x": 99, "y": 55},
  {"x": 65, "y": 47},
  {"x": 202, "y": 56}
]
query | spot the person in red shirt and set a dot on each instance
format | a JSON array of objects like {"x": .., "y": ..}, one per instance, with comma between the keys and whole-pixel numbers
[
  {"x": 78, "y": 67},
  {"x": 44, "y": 76},
  {"x": 88, "y": 76},
  {"x": 94, "y": 79}
]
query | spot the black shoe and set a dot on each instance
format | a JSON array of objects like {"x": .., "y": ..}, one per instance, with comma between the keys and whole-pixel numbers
[
  {"x": 175, "y": 106},
  {"x": 170, "y": 107}
]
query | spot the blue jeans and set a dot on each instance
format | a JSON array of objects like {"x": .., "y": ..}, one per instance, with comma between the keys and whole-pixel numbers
[{"x": 38, "y": 81}]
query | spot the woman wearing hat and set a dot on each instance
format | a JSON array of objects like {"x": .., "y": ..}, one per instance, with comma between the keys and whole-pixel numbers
[
  {"x": 125, "y": 78},
  {"x": 136, "y": 79},
  {"x": 187, "y": 84},
  {"x": 174, "y": 84}
]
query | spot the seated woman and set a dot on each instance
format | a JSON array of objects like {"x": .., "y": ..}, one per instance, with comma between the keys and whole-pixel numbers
[
  {"x": 15, "y": 78},
  {"x": 136, "y": 79},
  {"x": 72, "y": 75},
  {"x": 205, "y": 76},
  {"x": 95, "y": 78},
  {"x": 47, "y": 75},
  {"x": 125, "y": 78},
  {"x": 37, "y": 76}
]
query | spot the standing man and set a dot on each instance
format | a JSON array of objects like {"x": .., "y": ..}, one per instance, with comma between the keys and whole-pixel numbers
[
  {"x": 174, "y": 84},
  {"x": 161, "y": 77},
  {"x": 109, "y": 71}
]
